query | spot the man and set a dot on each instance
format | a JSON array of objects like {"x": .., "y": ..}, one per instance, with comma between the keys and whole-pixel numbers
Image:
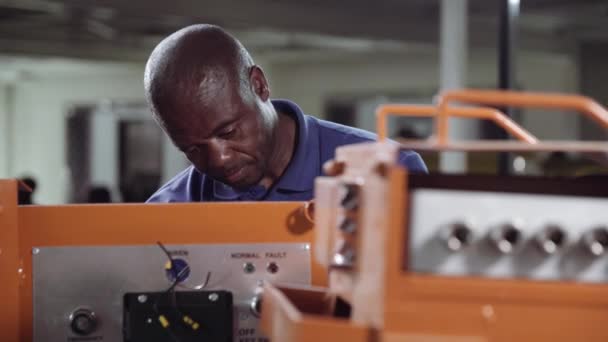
[{"x": 214, "y": 103}]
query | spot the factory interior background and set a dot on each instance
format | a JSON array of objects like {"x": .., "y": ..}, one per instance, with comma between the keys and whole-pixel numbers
[{"x": 73, "y": 117}]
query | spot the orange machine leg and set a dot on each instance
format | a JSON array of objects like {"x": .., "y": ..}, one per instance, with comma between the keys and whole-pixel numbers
[{"x": 9, "y": 262}]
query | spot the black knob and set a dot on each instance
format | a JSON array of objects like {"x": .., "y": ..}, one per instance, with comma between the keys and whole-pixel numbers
[{"x": 83, "y": 321}]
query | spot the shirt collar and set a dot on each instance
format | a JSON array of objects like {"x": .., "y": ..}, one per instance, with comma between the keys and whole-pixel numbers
[{"x": 301, "y": 170}]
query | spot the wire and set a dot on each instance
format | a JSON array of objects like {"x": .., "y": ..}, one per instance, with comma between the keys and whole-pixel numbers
[
  {"x": 165, "y": 250},
  {"x": 171, "y": 293}
]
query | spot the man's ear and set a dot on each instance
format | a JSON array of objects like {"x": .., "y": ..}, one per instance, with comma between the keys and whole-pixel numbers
[{"x": 259, "y": 83}]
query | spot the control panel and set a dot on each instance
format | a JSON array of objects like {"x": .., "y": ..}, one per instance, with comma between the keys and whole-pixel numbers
[
  {"x": 159, "y": 293},
  {"x": 508, "y": 235}
]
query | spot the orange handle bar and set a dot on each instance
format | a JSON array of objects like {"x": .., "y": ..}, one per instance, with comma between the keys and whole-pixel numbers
[
  {"x": 469, "y": 112},
  {"x": 581, "y": 104}
]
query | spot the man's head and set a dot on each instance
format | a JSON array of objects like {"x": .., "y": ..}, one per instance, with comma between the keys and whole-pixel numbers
[{"x": 213, "y": 102}]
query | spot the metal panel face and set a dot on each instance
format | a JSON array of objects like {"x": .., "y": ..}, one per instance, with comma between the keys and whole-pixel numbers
[
  {"x": 96, "y": 278},
  {"x": 556, "y": 237}
]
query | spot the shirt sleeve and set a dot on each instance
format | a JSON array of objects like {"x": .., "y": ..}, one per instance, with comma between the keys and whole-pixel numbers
[
  {"x": 412, "y": 162},
  {"x": 178, "y": 189},
  {"x": 166, "y": 196}
]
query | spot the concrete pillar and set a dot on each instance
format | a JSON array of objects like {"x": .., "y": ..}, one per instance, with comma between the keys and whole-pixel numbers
[
  {"x": 7, "y": 129},
  {"x": 453, "y": 55},
  {"x": 4, "y": 131},
  {"x": 104, "y": 150}
]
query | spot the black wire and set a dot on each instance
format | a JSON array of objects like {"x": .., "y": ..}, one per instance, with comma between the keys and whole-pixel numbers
[
  {"x": 170, "y": 289},
  {"x": 170, "y": 292},
  {"x": 165, "y": 250}
]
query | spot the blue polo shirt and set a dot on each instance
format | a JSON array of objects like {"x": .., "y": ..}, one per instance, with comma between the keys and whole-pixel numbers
[{"x": 317, "y": 143}]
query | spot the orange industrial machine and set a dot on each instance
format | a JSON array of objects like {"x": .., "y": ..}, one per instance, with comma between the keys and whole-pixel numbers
[
  {"x": 390, "y": 256},
  {"x": 81, "y": 272},
  {"x": 453, "y": 257}
]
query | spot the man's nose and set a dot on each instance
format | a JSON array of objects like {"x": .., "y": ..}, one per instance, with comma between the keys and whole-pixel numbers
[{"x": 218, "y": 156}]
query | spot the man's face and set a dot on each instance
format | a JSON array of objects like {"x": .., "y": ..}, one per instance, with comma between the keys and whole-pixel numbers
[{"x": 223, "y": 133}]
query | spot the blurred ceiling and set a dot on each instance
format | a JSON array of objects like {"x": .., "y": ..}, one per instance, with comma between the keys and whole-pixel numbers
[{"x": 126, "y": 30}]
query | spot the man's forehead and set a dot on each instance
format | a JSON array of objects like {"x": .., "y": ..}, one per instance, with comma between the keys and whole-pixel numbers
[{"x": 205, "y": 111}]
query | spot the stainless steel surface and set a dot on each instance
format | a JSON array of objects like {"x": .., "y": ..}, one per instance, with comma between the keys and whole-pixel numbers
[
  {"x": 576, "y": 256},
  {"x": 96, "y": 278}
]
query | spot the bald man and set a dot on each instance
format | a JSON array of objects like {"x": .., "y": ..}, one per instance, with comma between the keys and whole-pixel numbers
[{"x": 214, "y": 103}]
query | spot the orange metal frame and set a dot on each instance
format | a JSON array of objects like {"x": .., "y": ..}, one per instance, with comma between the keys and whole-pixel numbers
[
  {"x": 391, "y": 303},
  {"x": 25, "y": 227},
  {"x": 388, "y": 302},
  {"x": 526, "y": 141}
]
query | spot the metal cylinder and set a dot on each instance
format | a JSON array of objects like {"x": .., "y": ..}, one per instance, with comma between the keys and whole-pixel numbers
[
  {"x": 595, "y": 241},
  {"x": 506, "y": 237},
  {"x": 551, "y": 239},
  {"x": 456, "y": 236}
]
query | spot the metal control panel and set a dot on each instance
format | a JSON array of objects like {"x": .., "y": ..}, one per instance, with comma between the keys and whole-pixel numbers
[
  {"x": 508, "y": 235},
  {"x": 78, "y": 291}
]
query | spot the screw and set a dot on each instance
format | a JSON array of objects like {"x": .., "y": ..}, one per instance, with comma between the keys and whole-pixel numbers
[
  {"x": 214, "y": 297},
  {"x": 142, "y": 298},
  {"x": 35, "y": 251}
]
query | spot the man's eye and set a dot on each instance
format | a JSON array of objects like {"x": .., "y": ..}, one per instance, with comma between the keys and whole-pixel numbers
[{"x": 227, "y": 133}]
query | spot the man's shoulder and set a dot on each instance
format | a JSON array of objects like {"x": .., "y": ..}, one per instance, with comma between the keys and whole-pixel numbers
[
  {"x": 333, "y": 135},
  {"x": 341, "y": 134},
  {"x": 179, "y": 188}
]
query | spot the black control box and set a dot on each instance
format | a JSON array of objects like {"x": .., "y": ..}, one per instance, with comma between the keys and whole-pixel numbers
[{"x": 184, "y": 316}]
